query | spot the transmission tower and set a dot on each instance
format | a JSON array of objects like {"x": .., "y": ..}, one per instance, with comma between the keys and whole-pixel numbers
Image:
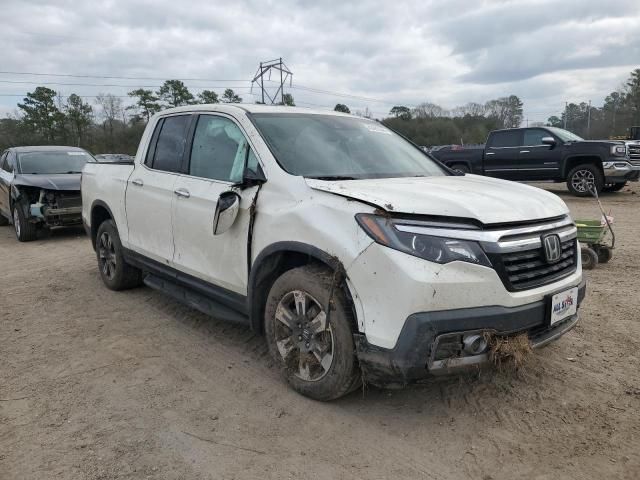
[{"x": 266, "y": 68}]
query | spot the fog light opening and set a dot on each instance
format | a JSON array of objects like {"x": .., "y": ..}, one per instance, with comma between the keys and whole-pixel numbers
[{"x": 474, "y": 344}]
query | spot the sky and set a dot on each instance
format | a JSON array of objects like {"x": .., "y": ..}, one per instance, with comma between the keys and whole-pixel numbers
[{"x": 368, "y": 54}]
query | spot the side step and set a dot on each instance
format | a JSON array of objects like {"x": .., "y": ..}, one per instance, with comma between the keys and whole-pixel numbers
[{"x": 195, "y": 300}]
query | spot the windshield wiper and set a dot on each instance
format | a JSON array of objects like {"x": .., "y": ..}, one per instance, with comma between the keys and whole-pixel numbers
[
  {"x": 333, "y": 177},
  {"x": 72, "y": 171}
]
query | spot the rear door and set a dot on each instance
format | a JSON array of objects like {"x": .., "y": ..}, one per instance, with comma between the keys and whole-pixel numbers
[
  {"x": 540, "y": 161},
  {"x": 502, "y": 153},
  {"x": 150, "y": 190},
  {"x": 218, "y": 150}
]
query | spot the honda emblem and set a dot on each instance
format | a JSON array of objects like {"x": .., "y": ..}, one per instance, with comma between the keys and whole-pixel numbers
[{"x": 552, "y": 248}]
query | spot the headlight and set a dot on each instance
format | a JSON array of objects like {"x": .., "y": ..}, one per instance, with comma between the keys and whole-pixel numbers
[
  {"x": 619, "y": 150},
  {"x": 435, "y": 249}
]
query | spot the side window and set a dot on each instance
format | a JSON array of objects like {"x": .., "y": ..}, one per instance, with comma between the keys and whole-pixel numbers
[
  {"x": 505, "y": 138},
  {"x": 171, "y": 142},
  {"x": 533, "y": 137},
  {"x": 219, "y": 150}
]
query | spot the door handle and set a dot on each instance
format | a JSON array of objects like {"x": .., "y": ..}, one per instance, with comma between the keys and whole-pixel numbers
[
  {"x": 525, "y": 151},
  {"x": 137, "y": 182},
  {"x": 181, "y": 192},
  {"x": 490, "y": 153}
]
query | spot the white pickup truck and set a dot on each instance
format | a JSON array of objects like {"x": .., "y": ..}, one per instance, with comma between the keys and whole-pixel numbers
[{"x": 358, "y": 256}]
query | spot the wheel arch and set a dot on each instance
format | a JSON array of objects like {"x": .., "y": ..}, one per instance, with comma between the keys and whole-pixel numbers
[
  {"x": 100, "y": 212},
  {"x": 276, "y": 259},
  {"x": 575, "y": 160}
]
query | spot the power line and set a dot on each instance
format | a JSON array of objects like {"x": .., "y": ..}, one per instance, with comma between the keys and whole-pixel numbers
[
  {"x": 113, "y": 77},
  {"x": 24, "y": 82}
]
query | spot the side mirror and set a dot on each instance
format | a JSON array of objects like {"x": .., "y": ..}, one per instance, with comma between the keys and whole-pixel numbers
[
  {"x": 549, "y": 141},
  {"x": 226, "y": 212}
]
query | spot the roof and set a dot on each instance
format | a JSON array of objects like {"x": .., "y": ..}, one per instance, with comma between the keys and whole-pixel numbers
[
  {"x": 47, "y": 148},
  {"x": 250, "y": 108}
]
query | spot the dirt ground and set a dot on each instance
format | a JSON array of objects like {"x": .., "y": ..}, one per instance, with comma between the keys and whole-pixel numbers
[{"x": 99, "y": 385}]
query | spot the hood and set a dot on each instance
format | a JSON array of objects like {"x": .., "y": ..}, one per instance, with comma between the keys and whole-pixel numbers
[
  {"x": 488, "y": 200},
  {"x": 61, "y": 181}
]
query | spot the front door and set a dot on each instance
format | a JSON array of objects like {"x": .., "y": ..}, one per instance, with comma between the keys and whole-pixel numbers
[
  {"x": 540, "y": 161},
  {"x": 218, "y": 153},
  {"x": 150, "y": 190}
]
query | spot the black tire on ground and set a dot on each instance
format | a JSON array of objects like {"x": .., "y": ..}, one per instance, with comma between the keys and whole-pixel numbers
[
  {"x": 461, "y": 167},
  {"x": 614, "y": 187},
  {"x": 25, "y": 230},
  {"x": 315, "y": 353},
  {"x": 4, "y": 221},
  {"x": 115, "y": 272},
  {"x": 604, "y": 254},
  {"x": 581, "y": 177},
  {"x": 589, "y": 258}
]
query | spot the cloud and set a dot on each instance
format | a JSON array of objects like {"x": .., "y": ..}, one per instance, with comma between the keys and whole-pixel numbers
[{"x": 403, "y": 52}]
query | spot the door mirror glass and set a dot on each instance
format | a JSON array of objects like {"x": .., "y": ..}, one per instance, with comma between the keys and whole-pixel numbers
[
  {"x": 548, "y": 141},
  {"x": 226, "y": 212}
]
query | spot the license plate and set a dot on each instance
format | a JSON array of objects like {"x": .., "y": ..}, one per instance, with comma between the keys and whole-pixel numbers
[{"x": 563, "y": 305}]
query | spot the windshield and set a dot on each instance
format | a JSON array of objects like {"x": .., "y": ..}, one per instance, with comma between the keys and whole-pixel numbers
[
  {"x": 565, "y": 135},
  {"x": 336, "y": 147},
  {"x": 52, "y": 162}
]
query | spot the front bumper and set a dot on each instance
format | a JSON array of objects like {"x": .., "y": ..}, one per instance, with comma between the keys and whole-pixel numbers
[
  {"x": 616, "y": 171},
  {"x": 412, "y": 358}
]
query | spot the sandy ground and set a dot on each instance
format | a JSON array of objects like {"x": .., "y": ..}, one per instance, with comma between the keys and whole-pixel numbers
[{"x": 99, "y": 385}]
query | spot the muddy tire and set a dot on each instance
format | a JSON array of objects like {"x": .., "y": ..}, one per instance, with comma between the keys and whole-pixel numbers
[
  {"x": 4, "y": 221},
  {"x": 582, "y": 178},
  {"x": 614, "y": 187},
  {"x": 589, "y": 258},
  {"x": 114, "y": 271},
  {"x": 312, "y": 346},
  {"x": 25, "y": 230}
]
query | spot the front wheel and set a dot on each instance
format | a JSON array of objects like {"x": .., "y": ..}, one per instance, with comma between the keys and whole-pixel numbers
[
  {"x": 25, "y": 230},
  {"x": 583, "y": 179},
  {"x": 115, "y": 272},
  {"x": 308, "y": 327}
]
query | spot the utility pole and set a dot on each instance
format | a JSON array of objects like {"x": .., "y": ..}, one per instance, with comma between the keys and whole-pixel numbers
[
  {"x": 266, "y": 68},
  {"x": 566, "y": 106},
  {"x": 589, "y": 121}
]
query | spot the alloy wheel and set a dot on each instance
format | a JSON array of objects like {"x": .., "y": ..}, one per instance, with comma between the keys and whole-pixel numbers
[
  {"x": 583, "y": 181},
  {"x": 303, "y": 337},
  {"x": 107, "y": 255},
  {"x": 16, "y": 222}
]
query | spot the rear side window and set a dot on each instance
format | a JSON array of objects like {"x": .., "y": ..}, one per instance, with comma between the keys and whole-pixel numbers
[
  {"x": 4, "y": 162},
  {"x": 171, "y": 141},
  {"x": 505, "y": 138}
]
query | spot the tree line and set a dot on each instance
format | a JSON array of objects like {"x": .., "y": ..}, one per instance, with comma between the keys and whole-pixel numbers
[
  {"x": 620, "y": 110},
  {"x": 105, "y": 126}
]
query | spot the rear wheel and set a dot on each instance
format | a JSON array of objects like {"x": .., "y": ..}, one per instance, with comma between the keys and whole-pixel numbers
[
  {"x": 25, "y": 230},
  {"x": 4, "y": 221},
  {"x": 614, "y": 187},
  {"x": 583, "y": 179},
  {"x": 308, "y": 327},
  {"x": 115, "y": 272}
]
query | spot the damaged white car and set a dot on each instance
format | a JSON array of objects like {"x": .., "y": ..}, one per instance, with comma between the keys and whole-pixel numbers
[
  {"x": 357, "y": 255},
  {"x": 40, "y": 188}
]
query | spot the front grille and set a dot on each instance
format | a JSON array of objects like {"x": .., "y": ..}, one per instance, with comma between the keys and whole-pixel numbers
[
  {"x": 69, "y": 200},
  {"x": 529, "y": 268},
  {"x": 634, "y": 152}
]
